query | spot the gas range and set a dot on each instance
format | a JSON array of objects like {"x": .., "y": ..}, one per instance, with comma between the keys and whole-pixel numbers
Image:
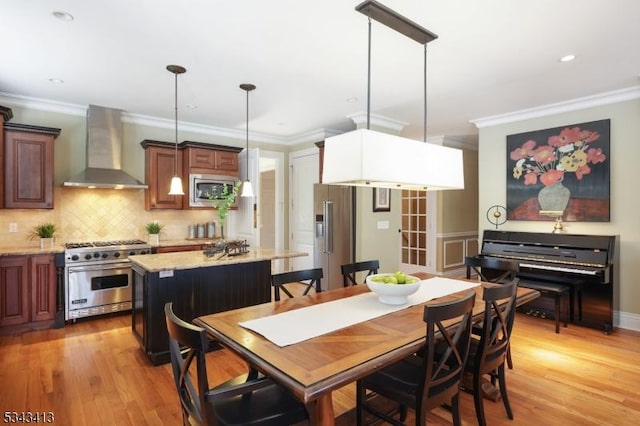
[{"x": 104, "y": 251}]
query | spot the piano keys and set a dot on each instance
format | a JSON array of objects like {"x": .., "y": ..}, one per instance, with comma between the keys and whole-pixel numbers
[{"x": 585, "y": 262}]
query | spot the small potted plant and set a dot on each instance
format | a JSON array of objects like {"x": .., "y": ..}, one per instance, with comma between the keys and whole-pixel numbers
[
  {"x": 153, "y": 229},
  {"x": 44, "y": 231}
]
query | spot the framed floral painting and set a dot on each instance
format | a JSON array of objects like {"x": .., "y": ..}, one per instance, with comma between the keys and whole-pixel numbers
[{"x": 560, "y": 172}]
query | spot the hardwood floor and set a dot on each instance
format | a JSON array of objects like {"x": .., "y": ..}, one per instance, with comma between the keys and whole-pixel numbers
[{"x": 94, "y": 373}]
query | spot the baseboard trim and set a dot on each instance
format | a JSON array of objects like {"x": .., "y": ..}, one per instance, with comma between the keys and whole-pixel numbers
[{"x": 626, "y": 320}]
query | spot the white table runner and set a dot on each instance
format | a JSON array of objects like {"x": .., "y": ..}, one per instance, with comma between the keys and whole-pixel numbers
[{"x": 305, "y": 323}]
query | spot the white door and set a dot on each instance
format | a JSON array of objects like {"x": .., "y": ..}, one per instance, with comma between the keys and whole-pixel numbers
[
  {"x": 417, "y": 232},
  {"x": 303, "y": 174},
  {"x": 247, "y": 216}
]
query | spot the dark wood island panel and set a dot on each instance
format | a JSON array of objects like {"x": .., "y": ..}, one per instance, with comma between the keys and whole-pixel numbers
[{"x": 194, "y": 292}]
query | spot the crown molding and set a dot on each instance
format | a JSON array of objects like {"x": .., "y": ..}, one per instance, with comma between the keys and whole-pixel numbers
[
  {"x": 163, "y": 123},
  {"x": 360, "y": 118},
  {"x": 607, "y": 98}
]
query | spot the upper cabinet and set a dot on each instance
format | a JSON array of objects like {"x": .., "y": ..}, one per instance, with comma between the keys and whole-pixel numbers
[
  {"x": 5, "y": 115},
  {"x": 160, "y": 167},
  {"x": 202, "y": 158},
  {"x": 193, "y": 158},
  {"x": 28, "y": 166}
]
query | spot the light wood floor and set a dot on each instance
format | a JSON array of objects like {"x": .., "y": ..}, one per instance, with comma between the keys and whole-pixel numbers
[{"x": 94, "y": 373}]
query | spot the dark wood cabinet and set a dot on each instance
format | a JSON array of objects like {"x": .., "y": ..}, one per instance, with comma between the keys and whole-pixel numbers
[
  {"x": 212, "y": 159},
  {"x": 28, "y": 289},
  {"x": 160, "y": 167},
  {"x": 14, "y": 290},
  {"x": 194, "y": 292},
  {"x": 193, "y": 158},
  {"x": 28, "y": 162},
  {"x": 43, "y": 287},
  {"x": 5, "y": 115}
]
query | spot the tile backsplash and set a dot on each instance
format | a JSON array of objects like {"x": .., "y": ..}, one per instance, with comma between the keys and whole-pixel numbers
[{"x": 82, "y": 214}]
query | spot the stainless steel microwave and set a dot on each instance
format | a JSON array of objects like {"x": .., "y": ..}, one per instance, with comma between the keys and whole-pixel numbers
[{"x": 204, "y": 188}]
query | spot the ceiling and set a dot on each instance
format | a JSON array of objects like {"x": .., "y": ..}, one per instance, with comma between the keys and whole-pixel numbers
[{"x": 309, "y": 60}]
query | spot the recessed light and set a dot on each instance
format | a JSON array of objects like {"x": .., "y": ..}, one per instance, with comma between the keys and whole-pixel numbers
[
  {"x": 567, "y": 58},
  {"x": 352, "y": 99},
  {"x": 62, "y": 15},
  {"x": 56, "y": 80}
]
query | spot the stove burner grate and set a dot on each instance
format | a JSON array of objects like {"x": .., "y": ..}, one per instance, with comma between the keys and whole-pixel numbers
[{"x": 105, "y": 244}]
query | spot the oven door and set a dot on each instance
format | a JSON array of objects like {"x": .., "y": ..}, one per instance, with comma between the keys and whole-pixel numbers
[{"x": 97, "y": 289}]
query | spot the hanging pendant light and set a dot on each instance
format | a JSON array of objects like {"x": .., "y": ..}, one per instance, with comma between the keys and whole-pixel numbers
[
  {"x": 176, "y": 181},
  {"x": 247, "y": 189},
  {"x": 365, "y": 157}
]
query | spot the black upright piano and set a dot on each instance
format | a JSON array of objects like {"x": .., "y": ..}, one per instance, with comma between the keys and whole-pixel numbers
[{"x": 588, "y": 263}]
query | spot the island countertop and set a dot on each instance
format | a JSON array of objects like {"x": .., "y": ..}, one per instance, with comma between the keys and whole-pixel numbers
[{"x": 196, "y": 259}]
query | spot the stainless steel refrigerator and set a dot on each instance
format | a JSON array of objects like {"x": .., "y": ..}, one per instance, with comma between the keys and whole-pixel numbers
[{"x": 334, "y": 231}]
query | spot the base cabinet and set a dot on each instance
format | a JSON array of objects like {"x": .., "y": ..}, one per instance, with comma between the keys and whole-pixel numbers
[
  {"x": 194, "y": 292},
  {"x": 14, "y": 290},
  {"x": 43, "y": 287},
  {"x": 28, "y": 289}
]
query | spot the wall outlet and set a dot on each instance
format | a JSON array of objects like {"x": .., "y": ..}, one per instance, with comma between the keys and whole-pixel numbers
[{"x": 13, "y": 227}]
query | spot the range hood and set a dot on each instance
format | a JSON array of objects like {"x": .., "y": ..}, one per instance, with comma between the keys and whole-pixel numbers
[{"x": 104, "y": 153}]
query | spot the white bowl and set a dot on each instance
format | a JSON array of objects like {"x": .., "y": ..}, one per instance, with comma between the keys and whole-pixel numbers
[{"x": 392, "y": 294}]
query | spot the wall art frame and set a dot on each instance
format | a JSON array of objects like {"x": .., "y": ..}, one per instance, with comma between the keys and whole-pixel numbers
[
  {"x": 381, "y": 199},
  {"x": 567, "y": 166}
]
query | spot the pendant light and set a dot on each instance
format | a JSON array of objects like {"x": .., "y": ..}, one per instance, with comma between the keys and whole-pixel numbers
[
  {"x": 176, "y": 181},
  {"x": 247, "y": 189},
  {"x": 368, "y": 158}
]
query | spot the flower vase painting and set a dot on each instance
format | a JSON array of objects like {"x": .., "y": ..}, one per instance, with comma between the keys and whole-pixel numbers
[{"x": 560, "y": 172}]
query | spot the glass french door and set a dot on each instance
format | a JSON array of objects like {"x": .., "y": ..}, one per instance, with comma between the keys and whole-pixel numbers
[{"x": 415, "y": 247}]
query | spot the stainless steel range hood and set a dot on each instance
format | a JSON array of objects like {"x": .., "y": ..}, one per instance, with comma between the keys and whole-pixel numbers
[{"x": 104, "y": 153}]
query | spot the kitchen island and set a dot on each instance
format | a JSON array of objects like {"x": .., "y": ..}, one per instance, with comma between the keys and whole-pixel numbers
[{"x": 197, "y": 285}]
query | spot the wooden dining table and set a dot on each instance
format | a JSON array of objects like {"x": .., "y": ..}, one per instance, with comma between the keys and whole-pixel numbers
[{"x": 312, "y": 369}]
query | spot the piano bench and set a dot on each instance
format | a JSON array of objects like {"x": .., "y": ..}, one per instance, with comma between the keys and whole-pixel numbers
[{"x": 558, "y": 291}]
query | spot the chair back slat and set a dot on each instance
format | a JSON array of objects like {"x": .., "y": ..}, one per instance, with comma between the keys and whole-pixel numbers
[
  {"x": 311, "y": 278},
  {"x": 446, "y": 348},
  {"x": 498, "y": 323},
  {"x": 350, "y": 270},
  {"x": 195, "y": 341}
]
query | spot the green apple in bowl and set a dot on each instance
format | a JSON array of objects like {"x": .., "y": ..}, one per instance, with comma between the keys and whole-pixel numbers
[{"x": 393, "y": 289}]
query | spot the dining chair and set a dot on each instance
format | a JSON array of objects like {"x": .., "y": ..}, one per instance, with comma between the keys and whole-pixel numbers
[
  {"x": 492, "y": 270},
  {"x": 248, "y": 399},
  {"x": 488, "y": 353},
  {"x": 350, "y": 270},
  {"x": 309, "y": 278},
  {"x": 428, "y": 380}
]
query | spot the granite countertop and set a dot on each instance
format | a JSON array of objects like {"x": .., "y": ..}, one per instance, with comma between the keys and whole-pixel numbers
[
  {"x": 190, "y": 259},
  {"x": 30, "y": 250},
  {"x": 185, "y": 242}
]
